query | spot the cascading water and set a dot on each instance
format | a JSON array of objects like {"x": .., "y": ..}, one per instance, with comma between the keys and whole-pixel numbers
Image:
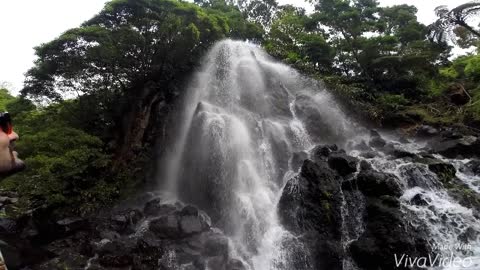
[
  {"x": 244, "y": 117},
  {"x": 448, "y": 222},
  {"x": 245, "y": 121}
]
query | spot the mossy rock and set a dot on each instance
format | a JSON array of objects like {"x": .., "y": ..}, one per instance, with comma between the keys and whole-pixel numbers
[
  {"x": 445, "y": 172},
  {"x": 455, "y": 187}
]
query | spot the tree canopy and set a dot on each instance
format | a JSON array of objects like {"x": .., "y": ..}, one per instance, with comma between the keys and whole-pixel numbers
[{"x": 106, "y": 89}]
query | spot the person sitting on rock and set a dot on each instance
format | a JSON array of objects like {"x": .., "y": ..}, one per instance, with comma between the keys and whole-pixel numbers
[{"x": 9, "y": 161}]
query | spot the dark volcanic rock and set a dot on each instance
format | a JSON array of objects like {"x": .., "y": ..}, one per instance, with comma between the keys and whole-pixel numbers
[
  {"x": 365, "y": 165},
  {"x": 178, "y": 239},
  {"x": 473, "y": 166},
  {"x": 69, "y": 225},
  {"x": 317, "y": 183},
  {"x": 155, "y": 208},
  {"x": 369, "y": 154},
  {"x": 377, "y": 142},
  {"x": 470, "y": 234},
  {"x": 322, "y": 152},
  {"x": 427, "y": 131},
  {"x": 418, "y": 175},
  {"x": 419, "y": 200},
  {"x": 445, "y": 171},
  {"x": 376, "y": 184},
  {"x": 362, "y": 146},
  {"x": 466, "y": 147},
  {"x": 117, "y": 253},
  {"x": 310, "y": 206},
  {"x": 397, "y": 153},
  {"x": 342, "y": 163},
  {"x": 386, "y": 234},
  {"x": 166, "y": 227},
  {"x": 215, "y": 244},
  {"x": 8, "y": 226},
  {"x": 386, "y": 231}
]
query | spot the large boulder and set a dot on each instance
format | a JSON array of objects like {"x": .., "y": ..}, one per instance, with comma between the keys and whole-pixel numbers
[
  {"x": 167, "y": 236},
  {"x": 444, "y": 171},
  {"x": 418, "y": 175},
  {"x": 342, "y": 163},
  {"x": 376, "y": 140},
  {"x": 473, "y": 166},
  {"x": 156, "y": 208},
  {"x": 166, "y": 227},
  {"x": 375, "y": 184},
  {"x": 310, "y": 207},
  {"x": 426, "y": 131},
  {"x": 466, "y": 147},
  {"x": 386, "y": 231},
  {"x": 117, "y": 253},
  {"x": 8, "y": 226},
  {"x": 192, "y": 221},
  {"x": 387, "y": 234},
  {"x": 322, "y": 152}
]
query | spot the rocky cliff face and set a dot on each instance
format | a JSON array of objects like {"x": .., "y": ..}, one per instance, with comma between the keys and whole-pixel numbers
[
  {"x": 314, "y": 206},
  {"x": 158, "y": 236}
]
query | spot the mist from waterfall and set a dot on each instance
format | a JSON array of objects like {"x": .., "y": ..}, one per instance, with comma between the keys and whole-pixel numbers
[
  {"x": 244, "y": 117},
  {"x": 246, "y": 124}
]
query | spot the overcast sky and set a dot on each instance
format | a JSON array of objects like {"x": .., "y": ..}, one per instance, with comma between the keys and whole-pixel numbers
[{"x": 25, "y": 24}]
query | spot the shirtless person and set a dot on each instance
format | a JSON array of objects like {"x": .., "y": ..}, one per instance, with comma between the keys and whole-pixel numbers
[{"x": 9, "y": 161}]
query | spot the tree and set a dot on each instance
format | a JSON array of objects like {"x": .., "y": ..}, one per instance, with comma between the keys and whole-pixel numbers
[
  {"x": 290, "y": 39},
  {"x": 261, "y": 11},
  {"x": 128, "y": 60},
  {"x": 383, "y": 48},
  {"x": 453, "y": 22},
  {"x": 347, "y": 22}
]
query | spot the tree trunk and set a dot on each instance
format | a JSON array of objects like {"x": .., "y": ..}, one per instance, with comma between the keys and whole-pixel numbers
[{"x": 135, "y": 122}]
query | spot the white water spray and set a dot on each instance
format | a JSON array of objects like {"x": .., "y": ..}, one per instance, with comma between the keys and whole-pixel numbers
[{"x": 244, "y": 116}]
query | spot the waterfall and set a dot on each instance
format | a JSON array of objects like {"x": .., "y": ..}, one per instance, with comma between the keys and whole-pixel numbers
[
  {"x": 243, "y": 117},
  {"x": 244, "y": 121}
]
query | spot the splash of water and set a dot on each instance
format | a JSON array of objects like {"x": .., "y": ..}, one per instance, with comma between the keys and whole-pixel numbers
[{"x": 244, "y": 116}]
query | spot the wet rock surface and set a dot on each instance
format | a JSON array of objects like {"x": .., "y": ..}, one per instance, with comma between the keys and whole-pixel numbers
[
  {"x": 454, "y": 147},
  {"x": 373, "y": 183},
  {"x": 334, "y": 199},
  {"x": 313, "y": 203},
  {"x": 473, "y": 166},
  {"x": 161, "y": 236},
  {"x": 310, "y": 206}
]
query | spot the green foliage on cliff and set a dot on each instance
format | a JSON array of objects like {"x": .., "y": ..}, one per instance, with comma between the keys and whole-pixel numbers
[
  {"x": 100, "y": 88},
  {"x": 381, "y": 61}
]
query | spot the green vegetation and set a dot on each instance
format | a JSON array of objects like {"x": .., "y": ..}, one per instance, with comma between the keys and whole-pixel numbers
[
  {"x": 5, "y": 99},
  {"x": 382, "y": 62},
  {"x": 102, "y": 86}
]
